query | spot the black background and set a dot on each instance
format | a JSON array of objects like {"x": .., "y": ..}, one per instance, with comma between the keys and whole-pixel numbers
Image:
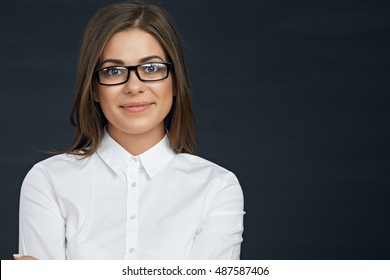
[{"x": 292, "y": 96}]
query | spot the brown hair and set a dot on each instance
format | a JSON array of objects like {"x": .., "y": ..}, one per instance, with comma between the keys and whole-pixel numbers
[{"x": 87, "y": 115}]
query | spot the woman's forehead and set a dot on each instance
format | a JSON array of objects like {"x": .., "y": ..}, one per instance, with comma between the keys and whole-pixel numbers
[{"x": 132, "y": 45}]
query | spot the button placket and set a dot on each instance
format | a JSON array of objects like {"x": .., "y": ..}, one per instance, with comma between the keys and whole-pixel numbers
[{"x": 132, "y": 207}]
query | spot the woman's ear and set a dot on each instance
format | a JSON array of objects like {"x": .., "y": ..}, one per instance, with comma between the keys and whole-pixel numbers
[
  {"x": 95, "y": 96},
  {"x": 174, "y": 89}
]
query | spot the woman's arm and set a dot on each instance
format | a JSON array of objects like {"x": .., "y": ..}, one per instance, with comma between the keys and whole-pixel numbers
[
  {"x": 220, "y": 234},
  {"x": 41, "y": 225}
]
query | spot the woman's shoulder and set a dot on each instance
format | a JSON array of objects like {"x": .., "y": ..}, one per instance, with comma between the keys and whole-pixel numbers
[
  {"x": 60, "y": 163},
  {"x": 197, "y": 160},
  {"x": 216, "y": 180},
  {"x": 195, "y": 164}
]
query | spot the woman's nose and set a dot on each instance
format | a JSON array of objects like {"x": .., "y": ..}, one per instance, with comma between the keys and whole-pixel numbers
[{"x": 134, "y": 85}]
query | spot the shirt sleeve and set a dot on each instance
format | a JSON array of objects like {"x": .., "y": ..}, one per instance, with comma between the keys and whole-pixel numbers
[
  {"x": 220, "y": 235},
  {"x": 41, "y": 225}
]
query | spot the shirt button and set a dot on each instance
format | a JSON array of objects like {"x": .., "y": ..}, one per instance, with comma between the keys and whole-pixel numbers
[
  {"x": 131, "y": 250},
  {"x": 134, "y": 184},
  {"x": 133, "y": 217}
]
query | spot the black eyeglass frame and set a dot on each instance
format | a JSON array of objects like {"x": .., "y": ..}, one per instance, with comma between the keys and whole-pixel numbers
[{"x": 169, "y": 66}]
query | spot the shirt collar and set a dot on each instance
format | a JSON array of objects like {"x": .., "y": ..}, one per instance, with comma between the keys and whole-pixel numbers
[{"x": 117, "y": 158}]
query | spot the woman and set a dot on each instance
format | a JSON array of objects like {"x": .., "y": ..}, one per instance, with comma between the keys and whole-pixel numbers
[{"x": 130, "y": 187}]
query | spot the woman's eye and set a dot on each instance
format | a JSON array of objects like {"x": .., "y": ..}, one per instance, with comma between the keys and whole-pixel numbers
[
  {"x": 114, "y": 72},
  {"x": 151, "y": 68}
]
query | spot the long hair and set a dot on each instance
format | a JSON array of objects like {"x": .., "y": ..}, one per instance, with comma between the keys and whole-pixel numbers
[{"x": 86, "y": 114}]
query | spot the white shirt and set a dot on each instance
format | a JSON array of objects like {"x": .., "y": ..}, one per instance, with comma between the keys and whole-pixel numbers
[{"x": 112, "y": 205}]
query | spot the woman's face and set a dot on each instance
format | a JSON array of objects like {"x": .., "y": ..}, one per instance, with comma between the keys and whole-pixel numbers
[{"x": 135, "y": 107}]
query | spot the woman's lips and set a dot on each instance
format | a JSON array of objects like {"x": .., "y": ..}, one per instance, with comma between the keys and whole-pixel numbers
[{"x": 136, "y": 107}]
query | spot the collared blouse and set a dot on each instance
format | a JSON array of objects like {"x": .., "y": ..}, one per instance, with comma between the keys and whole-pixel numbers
[{"x": 112, "y": 205}]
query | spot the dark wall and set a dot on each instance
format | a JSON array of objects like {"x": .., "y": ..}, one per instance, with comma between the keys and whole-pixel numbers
[{"x": 292, "y": 96}]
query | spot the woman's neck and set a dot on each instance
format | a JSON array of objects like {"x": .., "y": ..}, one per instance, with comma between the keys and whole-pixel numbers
[{"x": 136, "y": 144}]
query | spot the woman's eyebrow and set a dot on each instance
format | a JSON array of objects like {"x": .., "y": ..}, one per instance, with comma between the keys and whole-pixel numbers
[
  {"x": 147, "y": 58},
  {"x": 121, "y": 62},
  {"x": 115, "y": 61}
]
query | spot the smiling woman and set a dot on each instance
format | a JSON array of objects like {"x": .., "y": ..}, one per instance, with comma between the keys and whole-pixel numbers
[{"x": 131, "y": 186}]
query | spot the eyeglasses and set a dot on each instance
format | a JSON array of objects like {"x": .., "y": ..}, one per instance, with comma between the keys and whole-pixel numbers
[{"x": 147, "y": 72}]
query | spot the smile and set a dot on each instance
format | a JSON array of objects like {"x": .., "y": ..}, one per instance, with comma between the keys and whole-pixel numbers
[{"x": 136, "y": 107}]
